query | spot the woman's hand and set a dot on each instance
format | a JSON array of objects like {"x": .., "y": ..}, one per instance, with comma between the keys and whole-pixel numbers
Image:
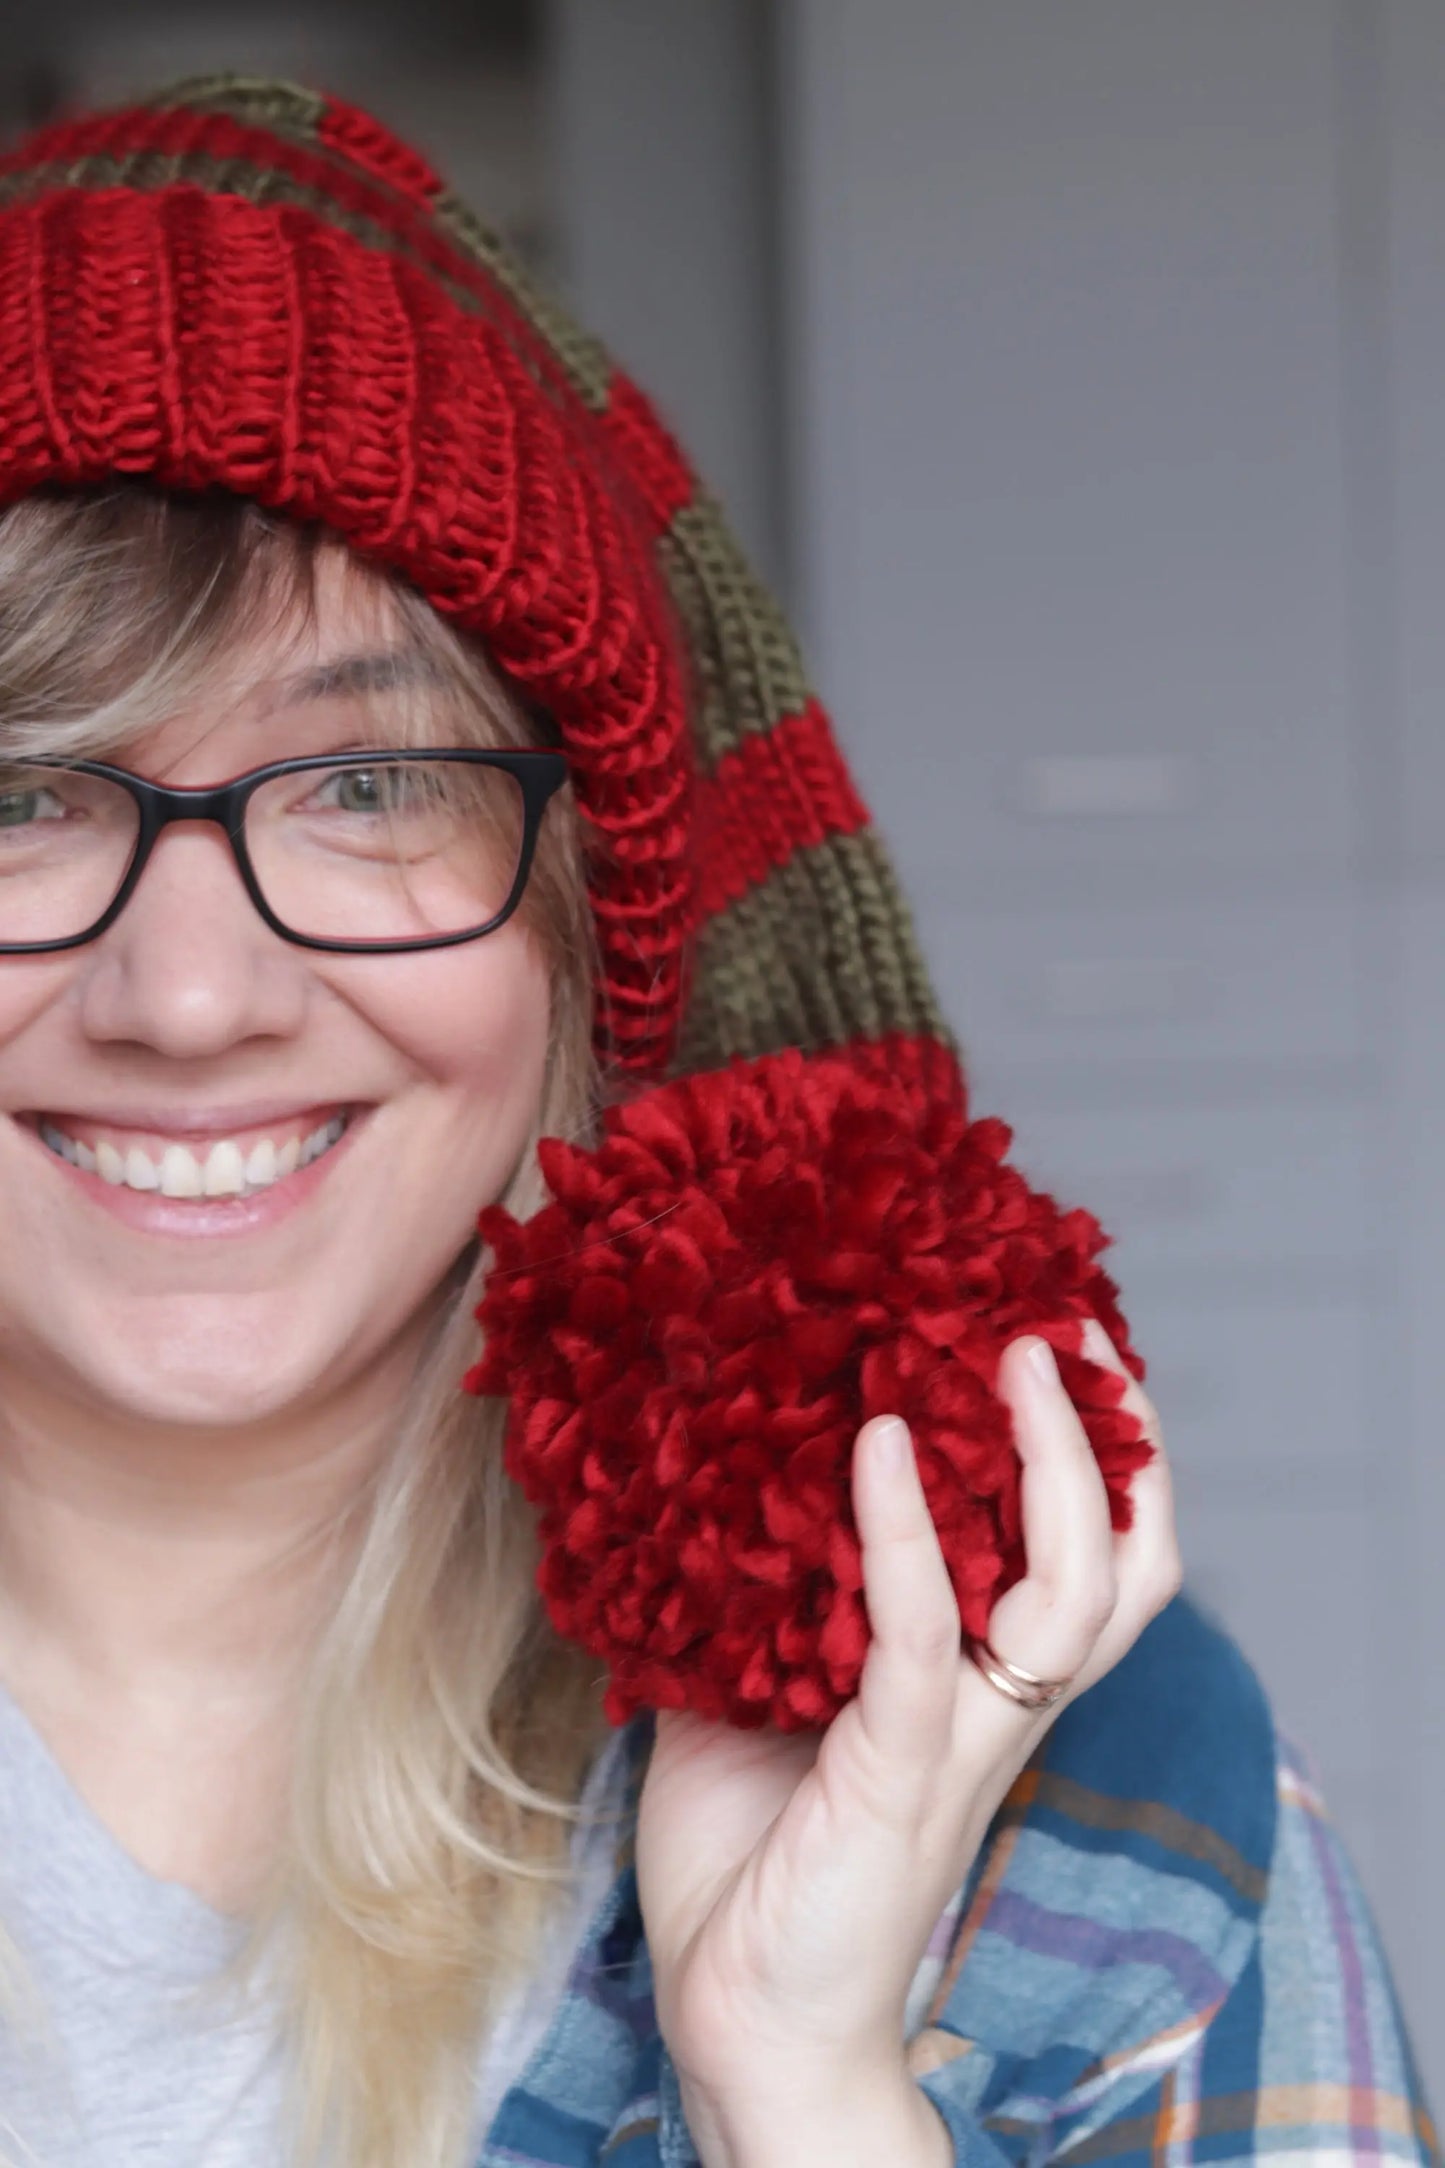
[{"x": 789, "y": 1884}]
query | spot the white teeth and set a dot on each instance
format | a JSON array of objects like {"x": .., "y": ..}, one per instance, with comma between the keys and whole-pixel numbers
[
  {"x": 180, "y": 1173},
  {"x": 261, "y": 1166},
  {"x": 226, "y": 1171},
  {"x": 139, "y": 1171}
]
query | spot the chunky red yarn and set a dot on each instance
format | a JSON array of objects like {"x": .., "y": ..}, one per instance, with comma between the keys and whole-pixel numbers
[{"x": 751, "y": 1263}]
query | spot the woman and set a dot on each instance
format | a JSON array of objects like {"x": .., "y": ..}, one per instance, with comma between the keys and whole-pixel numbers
[{"x": 318, "y": 1846}]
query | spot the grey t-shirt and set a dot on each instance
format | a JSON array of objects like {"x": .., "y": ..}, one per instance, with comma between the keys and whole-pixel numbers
[{"x": 136, "y": 2070}]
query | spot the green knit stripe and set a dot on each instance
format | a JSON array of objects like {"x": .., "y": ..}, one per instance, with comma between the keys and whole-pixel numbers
[
  {"x": 587, "y": 363},
  {"x": 749, "y": 674},
  {"x": 150, "y": 172},
  {"x": 821, "y": 952},
  {"x": 253, "y": 100},
  {"x": 290, "y": 111},
  {"x": 583, "y": 359}
]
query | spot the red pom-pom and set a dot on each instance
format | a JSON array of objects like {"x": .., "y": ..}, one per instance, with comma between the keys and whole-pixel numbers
[{"x": 750, "y": 1264}]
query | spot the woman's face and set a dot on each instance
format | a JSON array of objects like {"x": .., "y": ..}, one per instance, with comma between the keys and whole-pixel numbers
[{"x": 189, "y": 1024}]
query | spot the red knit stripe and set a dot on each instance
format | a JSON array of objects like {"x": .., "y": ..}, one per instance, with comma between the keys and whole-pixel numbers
[
  {"x": 777, "y": 792},
  {"x": 653, "y": 455},
  {"x": 179, "y": 132},
  {"x": 184, "y": 131},
  {"x": 398, "y": 204},
  {"x": 358, "y": 136}
]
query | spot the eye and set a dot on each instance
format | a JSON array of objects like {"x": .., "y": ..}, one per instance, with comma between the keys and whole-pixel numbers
[
  {"x": 351, "y": 790},
  {"x": 365, "y": 790},
  {"x": 22, "y": 804}
]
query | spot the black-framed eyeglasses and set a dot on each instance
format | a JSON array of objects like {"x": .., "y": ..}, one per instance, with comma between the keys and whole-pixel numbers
[{"x": 355, "y": 852}]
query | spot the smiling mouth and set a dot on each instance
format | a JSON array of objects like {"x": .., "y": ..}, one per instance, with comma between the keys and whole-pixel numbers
[{"x": 237, "y": 1167}]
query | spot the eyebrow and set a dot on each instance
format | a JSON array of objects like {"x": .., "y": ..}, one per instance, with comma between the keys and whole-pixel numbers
[
  {"x": 393, "y": 669},
  {"x": 382, "y": 671}
]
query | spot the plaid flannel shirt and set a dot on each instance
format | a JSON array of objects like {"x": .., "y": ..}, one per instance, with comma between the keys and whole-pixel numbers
[{"x": 1161, "y": 1955}]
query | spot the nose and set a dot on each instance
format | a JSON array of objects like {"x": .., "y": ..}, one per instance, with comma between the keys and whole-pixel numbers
[{"x": 190, "y": 969}]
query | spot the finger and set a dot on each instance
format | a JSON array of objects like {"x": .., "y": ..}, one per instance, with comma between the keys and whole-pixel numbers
[
  {"x": 1100, "y": 1349},
  {"x": 906, "y": 1692},
  {"x": 1049, "y": 1622},
  {"x": 1147, "y": 1560},
  {"x": 1146, "y": 1554}
]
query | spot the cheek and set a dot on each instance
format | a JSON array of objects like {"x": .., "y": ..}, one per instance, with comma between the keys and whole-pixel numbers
[
  {"x": 32, "y": 985},
  {"x": 475, "y": 1017},
  {"x": 472, "y": 1028}
]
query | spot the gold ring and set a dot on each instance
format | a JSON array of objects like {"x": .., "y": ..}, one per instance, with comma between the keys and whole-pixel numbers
[{"x": 1024, "y": 1687}]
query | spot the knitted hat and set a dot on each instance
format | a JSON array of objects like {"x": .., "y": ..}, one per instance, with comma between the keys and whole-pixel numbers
[{"x": 789, "y": 1223}]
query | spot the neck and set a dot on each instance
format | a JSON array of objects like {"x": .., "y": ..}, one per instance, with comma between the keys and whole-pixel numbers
[{"x": 160, "y": 1590}]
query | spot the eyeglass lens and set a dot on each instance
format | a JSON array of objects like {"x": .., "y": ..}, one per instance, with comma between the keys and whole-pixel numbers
[{"x": 359, "y": 851}]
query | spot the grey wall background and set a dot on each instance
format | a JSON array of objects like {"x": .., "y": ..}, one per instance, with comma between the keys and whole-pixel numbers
[{"x": 1079, "y": 368}]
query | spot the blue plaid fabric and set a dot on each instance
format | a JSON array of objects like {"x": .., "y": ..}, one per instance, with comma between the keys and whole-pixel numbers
[{"x": 1161, "y": 1955}]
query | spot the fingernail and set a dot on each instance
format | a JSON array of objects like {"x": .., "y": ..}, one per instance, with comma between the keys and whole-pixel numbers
[
  {"x": 891, "y": 1443},
  {"x": 1046, "y": 1370}
]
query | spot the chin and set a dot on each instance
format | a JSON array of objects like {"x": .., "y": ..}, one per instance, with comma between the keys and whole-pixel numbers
[
  {"x": 171, "y": 1393},
  {"x": 200, "y": 1364}
]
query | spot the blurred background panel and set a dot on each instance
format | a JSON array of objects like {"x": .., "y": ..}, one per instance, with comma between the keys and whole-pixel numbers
[{"x": 1078, "y": 372}]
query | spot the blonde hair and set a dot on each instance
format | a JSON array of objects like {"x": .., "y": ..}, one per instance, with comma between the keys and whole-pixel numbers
[{"x": 446, "y": 1730}]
